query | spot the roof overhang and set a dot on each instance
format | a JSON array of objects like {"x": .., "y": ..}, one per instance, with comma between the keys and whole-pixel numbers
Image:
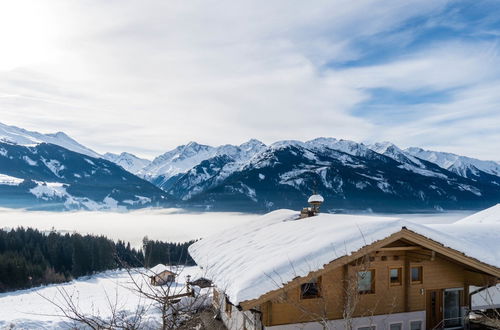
[{"x": 404, "y": 234}]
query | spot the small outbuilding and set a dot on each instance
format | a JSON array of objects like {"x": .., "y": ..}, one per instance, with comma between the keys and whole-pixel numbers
[{"x": 161, "y": 275}]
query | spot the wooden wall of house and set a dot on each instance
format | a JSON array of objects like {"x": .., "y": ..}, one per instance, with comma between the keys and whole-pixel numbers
[{"x": 438, "y": 273}]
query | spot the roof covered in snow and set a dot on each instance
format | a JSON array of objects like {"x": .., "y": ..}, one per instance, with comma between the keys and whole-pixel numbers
[
  {"x": 490, "y": 215},
  {"x": 250, "y": 260},
  {"x": 160, "y": 268}
]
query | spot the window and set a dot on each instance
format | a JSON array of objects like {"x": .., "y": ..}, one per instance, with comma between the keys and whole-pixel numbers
[
  {"x": 396, "y": 326},
  {"x": 395, "y": 276},
  {"x": 452, "y": 310},
  {"x": 368, "y": 328},
  {"x": 310, "y": 289},
  {"x": 366, "y": 281},
  {"x": 415, "y": 325},
  {"x": 416, "y": 274}
]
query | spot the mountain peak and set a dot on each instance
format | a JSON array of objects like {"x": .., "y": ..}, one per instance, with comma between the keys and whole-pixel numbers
[
  {"x": 128, "y": 161},
  {"x": 251, "y": 143},
  {"x": 194, "y": 146},
  {"x": 287, "y": 143},
  {"x": 24, "y": 137},
  {"x": 386, "y": 148}
]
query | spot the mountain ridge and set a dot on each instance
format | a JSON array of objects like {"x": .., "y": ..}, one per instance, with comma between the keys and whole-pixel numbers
[
  {"x": 21, "y": 136},
  {"x": 257, "y": 177},
  {"x": 48, "y": 176}
]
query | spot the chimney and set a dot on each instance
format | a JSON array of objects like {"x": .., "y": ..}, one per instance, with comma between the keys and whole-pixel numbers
[{"x": 315, "y": 201}]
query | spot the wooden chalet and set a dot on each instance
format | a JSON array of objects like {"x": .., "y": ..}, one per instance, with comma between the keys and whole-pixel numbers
[{"x": 391, "y": 275}]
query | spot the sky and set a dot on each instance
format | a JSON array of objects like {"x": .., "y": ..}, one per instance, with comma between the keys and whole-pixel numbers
[{"x": 145, "y": 76}]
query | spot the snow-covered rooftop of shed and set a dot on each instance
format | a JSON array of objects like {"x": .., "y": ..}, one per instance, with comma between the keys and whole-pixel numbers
[
  {"x": 316, "y": 199},
  {"x": 160, "y": 268},
  {"x": 250, "y": 260}
]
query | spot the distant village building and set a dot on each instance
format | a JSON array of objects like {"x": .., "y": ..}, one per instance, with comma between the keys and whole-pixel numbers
[
  {"x": 161, "y": 275},
  {"x": 336, "y": 271}
]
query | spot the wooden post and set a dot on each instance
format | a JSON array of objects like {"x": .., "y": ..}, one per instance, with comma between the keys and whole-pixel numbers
[
  {"x": 345, "y": 285},
  {"x": 266, "y": 309},
  {"x": 407, "y": 281}
]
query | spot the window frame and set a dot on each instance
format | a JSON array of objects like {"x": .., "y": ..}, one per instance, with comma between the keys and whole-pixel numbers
[
  {"x": 412, "y": 321},
  {"x": 421, "y": 273},
  {"x": 372, "y": 289},
  {"x": 371, "y": 327},
  {"x": 317, "y": 282},
  {"x": 400, "y": 324},
  {"x": 400, "y": 276}
]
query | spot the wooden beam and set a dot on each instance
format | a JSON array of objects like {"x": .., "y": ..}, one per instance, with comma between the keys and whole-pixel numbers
[
  {"x": 345, "y": 285},
  {"x": 407, "y": 275},
  {"x": 453, "y": 254},
  {"x": 401, "y": 248}
]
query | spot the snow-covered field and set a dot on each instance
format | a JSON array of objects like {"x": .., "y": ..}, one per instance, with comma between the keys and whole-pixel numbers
[{"x": 29, "y": 309}]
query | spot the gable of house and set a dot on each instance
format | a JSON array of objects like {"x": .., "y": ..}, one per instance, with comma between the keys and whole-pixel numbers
[
  {"x": 251, "y": 262},
  {"x": 401, "y": 254}
]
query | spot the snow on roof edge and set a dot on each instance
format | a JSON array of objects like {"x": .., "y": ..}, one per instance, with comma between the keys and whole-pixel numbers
[{"x": 246, "y": 274}]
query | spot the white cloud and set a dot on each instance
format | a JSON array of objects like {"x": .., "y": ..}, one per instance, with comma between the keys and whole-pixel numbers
[{"x": 147, "y": 76}]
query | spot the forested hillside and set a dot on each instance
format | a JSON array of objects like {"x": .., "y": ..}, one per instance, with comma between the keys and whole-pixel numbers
[
  {"x": 29, "y": 257},
  {"x": 157, "y": 252}
]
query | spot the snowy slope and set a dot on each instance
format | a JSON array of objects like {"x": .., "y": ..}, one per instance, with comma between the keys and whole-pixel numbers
[
  {"x": 185, "y": 157},
  {"x": 49, "y": 176},
  {"x": 347, "y": 146},
  {"x": 391, "y": 150},
  {"x": 408, "y": 161},
  {"x": 27, "y": 309},
  {"x": 488, "y": 216},
  {"x": 128, "y": 161},
  {"x": 10, "y": 180},
  {"x": 250, "y": 260},
  {"x": 455, "y": 163},
  {"x": 178, "y": 160},
  {"x": 24, "y": 137}
]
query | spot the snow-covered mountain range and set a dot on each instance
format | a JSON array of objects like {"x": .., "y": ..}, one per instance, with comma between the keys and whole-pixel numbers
[
  {"x": 380, "y": 176},
  {"x": 42, "y": 171},
  {"x": 258, "y": 177},
  {"x": 464, "y": 166},
  {"x": 20, "y": 136}
]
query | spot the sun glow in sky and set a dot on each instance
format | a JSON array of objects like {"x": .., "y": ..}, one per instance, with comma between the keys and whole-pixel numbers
[
  {"x": 27, "y": 34},
  {"x": 146, "y": 76}
]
